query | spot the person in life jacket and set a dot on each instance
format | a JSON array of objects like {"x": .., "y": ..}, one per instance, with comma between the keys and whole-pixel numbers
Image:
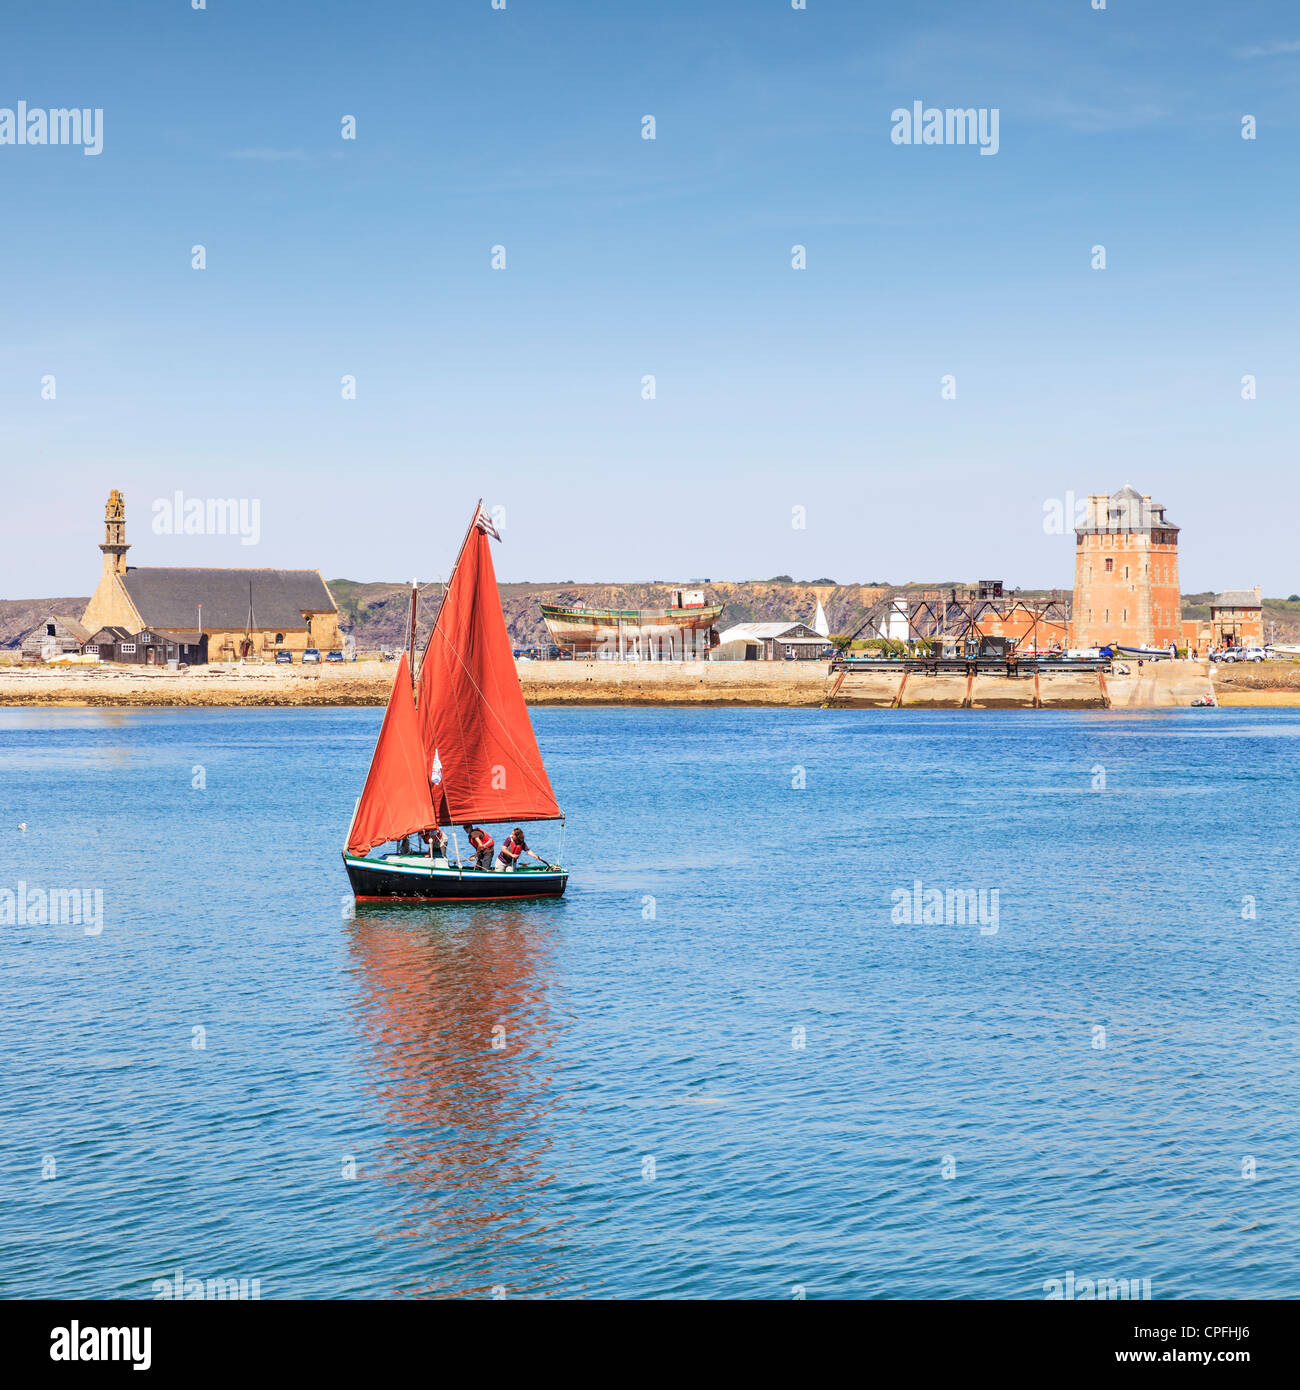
[
  {"x": 436, "y": 839},
  {"x": 481, "y": 843},
  {"x": 513, "y": 847}
]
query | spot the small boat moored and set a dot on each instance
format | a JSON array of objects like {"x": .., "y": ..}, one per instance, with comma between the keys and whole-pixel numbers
[{"x": 1168, "y": 653}]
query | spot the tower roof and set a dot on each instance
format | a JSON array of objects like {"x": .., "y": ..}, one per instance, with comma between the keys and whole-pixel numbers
[{"x": 1127, "y": 510}]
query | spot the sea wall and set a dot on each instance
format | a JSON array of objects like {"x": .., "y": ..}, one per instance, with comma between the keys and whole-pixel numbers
[
  {"x": 1160, "y": 684},
  {"x": 674, "y": 683},
  {"x": 369, "y": 682},
  {"x": 786, "y": 683}
]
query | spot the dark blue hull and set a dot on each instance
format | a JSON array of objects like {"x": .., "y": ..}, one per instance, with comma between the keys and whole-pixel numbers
[{"x": 374, "y": 880}]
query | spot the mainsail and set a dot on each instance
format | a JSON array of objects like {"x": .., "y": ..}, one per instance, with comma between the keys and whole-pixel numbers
[
  {"x": 471, "y": 711},
  {"x": 396, "y": 800}
]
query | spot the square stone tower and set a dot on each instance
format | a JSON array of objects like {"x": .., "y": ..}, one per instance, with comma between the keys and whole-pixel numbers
[
  {"x": 115, "y": 546},
  {"x": 1126, "y": 574}
]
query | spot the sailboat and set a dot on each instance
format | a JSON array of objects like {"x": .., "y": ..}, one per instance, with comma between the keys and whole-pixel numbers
[{"x": 456, "y": 747}]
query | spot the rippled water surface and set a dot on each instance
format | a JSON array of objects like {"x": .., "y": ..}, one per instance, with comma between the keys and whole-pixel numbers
[{"x": 1096, "y": 1075}]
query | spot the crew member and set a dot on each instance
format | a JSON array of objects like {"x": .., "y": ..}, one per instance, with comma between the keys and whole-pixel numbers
[
  {"x": 481, "y": 843},
  {"x": 512, "y": 848},
  {"x": 436, "y": 839}
]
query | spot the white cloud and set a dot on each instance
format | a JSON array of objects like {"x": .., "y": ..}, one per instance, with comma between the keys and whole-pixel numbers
[
  {"x": 267, "y": 155},
  {"x": 1271, "y": 49}
]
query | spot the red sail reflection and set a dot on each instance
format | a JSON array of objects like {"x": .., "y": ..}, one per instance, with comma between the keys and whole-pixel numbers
[{"x": 468, "y": 1122}]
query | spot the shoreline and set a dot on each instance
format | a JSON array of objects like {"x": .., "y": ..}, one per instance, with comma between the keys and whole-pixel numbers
[{"x": 787, "y": 685}]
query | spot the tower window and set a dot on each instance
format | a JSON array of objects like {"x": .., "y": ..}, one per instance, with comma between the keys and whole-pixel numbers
[
  {"x": 1110, "y": 565},
  {"x": 1125, "y": 571}
]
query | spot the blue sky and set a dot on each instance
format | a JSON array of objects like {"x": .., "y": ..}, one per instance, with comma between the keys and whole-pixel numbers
[{"x": 775, "y": 388}]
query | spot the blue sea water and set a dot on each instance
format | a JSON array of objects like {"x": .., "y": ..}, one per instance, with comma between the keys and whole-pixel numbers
[{"x": 720, "y": 1067}]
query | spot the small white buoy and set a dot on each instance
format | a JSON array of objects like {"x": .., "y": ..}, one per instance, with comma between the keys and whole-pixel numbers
[{"x": 22, "y": 825}]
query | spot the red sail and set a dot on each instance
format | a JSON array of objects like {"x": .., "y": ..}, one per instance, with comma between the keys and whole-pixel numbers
[
  {"x": 396, "y": 799},
  {"x": 471, "y": 708}
]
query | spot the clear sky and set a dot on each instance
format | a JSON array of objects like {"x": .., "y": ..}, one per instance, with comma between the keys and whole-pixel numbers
[{"x": 776, "y": 388}]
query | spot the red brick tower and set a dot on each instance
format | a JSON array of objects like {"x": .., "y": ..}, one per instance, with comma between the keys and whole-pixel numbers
[{"x": 1126, "y": 574}]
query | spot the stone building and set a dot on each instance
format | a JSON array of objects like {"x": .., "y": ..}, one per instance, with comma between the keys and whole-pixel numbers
[
  {"x": 1237, "y": 618},
  {"x": 233, "y": 613},
  {"x": 1126, "y": 574}
]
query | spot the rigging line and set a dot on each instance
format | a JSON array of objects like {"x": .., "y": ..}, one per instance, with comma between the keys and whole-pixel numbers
[
  {"x": 487, "y": 705},
  {"x": 446, "y": 588}
]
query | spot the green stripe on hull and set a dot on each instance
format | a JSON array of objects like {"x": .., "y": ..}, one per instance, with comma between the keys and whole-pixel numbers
[{"x": 634, "y": 615}]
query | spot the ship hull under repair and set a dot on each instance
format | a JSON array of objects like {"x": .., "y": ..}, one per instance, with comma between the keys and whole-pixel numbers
[{"x": 663, "y": 633}]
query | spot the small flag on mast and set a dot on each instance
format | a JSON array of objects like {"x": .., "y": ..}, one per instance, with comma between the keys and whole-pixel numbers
[{"x": 484, "y": 523}]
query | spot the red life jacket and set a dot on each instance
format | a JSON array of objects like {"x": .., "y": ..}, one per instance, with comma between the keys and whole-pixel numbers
[{"x": 485, "y": 841}]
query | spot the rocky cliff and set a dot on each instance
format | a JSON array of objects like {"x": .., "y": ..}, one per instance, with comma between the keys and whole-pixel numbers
[{"x": 376, "y": 614}]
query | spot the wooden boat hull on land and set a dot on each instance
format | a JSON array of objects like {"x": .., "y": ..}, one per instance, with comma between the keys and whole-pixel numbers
[{"x": 378, "y": 880}]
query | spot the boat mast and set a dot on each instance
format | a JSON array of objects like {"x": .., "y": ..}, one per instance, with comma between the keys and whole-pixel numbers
[{"x": 415, "y": 598}]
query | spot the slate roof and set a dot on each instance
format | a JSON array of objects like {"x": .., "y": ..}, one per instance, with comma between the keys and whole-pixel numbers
[
  {"x": 1237, "y": 598},
  {"x": 1127, "y": 510},
  {"x": 170, "y": 598}
]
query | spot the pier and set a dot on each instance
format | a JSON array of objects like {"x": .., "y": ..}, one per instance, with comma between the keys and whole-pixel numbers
[{"x": 1008, "y": 683}]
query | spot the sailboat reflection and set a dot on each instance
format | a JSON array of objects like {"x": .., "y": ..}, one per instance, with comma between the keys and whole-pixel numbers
[{"x": 456, "y": 1008}]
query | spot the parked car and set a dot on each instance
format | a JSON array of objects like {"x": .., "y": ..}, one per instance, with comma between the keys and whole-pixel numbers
[
  {"x": 1224, "y": 655},
  {"x": 281, "y": 657},
  {"x": 1254, "y": 654},
  {"x": 312, "y": 654},
  {"x": 333, "y": 656}
]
